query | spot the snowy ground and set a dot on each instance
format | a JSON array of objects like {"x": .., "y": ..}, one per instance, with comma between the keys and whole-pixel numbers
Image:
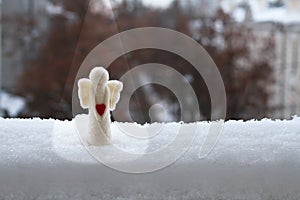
[{"x": 44, "y": 159}]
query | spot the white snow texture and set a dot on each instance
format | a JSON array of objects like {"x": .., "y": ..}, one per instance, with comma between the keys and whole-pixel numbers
[{"x": 45, "y": 159}]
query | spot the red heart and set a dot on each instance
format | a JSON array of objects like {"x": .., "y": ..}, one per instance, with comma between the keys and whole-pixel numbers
[{"x": 100, "y": 108}]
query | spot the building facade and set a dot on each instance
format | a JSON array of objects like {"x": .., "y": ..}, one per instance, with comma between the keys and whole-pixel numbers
[{"x": 282, "y": 18}]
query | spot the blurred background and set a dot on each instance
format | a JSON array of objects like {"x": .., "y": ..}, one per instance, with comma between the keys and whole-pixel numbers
[{"x": 254, "y": 43}]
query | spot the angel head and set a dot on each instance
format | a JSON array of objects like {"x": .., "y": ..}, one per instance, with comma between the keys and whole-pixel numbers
[{"x": 99, "y": 91}]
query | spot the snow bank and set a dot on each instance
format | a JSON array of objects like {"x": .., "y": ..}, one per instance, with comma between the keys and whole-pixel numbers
[{"x": 45, "y": 159}]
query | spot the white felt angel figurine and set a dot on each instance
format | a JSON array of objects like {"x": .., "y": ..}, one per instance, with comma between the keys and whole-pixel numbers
[{"x": 100, "y": 96}]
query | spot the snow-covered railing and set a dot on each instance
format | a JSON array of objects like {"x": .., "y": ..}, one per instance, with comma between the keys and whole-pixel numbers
[{"x": 45, "y": 159}]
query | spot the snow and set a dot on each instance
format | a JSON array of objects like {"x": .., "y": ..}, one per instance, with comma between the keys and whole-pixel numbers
[
  {"x": 152, "y": 3},
  {"x": 57, "y": 9},
  {"x": 158, "y": 3},
  {"x": 10, "y": 103},
  {"x": 45, "y": 159},
  {"x": 239, "y": 15},
  {"x": 53, "y": 9}
]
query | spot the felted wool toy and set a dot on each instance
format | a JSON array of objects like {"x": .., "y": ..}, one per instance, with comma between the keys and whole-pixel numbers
[{"x": 100, "y": 96}]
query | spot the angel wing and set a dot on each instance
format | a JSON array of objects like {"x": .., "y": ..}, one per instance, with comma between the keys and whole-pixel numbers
[
  {"x": 84, "y": 88},
  {"x": 115, "y": 88}
]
